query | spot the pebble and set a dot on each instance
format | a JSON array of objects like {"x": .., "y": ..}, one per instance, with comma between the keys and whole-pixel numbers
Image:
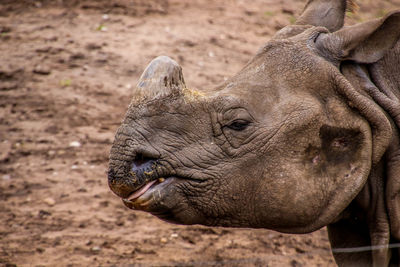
[
  {"x": 96, "y": 249},
  {"x": 163, "y": 240},
  {"x": 49, "y": 201},
  {"x": 6, "y": 177},
  {"x": 75, "y": 144},
  {"x": 42, "y": 70}
]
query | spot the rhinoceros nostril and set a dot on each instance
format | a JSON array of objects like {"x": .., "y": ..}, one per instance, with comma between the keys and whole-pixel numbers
[{"x": 141, "y": 162}]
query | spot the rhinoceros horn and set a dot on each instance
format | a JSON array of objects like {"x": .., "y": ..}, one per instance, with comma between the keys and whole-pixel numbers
[{"x": 161, "y": 78}]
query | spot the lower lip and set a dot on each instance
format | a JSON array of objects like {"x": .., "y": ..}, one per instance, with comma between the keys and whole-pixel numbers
[
  {"x": 135, "y": 195},
  {"x": 140, "y": 192}
]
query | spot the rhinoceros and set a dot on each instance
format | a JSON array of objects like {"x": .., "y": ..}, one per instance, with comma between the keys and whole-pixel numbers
[{"x": 304, "y": 136}]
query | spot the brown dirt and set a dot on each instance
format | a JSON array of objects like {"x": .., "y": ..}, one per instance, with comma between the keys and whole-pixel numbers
[{"x": 66, "y": 73}]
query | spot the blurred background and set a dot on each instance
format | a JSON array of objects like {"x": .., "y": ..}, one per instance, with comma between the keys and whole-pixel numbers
[{"x": 67, "y": 69}]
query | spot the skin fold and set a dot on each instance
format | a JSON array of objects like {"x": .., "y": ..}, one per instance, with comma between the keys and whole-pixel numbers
[{"x": 304, "y": 136}]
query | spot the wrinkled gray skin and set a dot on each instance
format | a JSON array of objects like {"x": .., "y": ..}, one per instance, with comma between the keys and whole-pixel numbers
[{"x": 304, "y": 136}]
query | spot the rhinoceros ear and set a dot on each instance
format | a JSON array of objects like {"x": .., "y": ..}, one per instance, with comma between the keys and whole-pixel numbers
[
  {"x": 364, "y": 43},
  {"x": 326, "y": 13}
]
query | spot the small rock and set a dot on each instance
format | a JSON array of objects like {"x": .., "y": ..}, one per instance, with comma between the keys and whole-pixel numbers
[
  {"x": 75, "y": 144},
  {"x": 96, "y": 249},
  {"x": 44, "y": 213},
  {"x": 42, "y": 70},
  {"x": 163, "y": 240},
  {"x": 6, "y": 177},
  {"x": 49, "y": 201},
  {"x": 45, "y": 49}
]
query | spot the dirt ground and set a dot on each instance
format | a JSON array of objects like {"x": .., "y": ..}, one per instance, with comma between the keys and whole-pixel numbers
[{"x": 67, "y": 69}]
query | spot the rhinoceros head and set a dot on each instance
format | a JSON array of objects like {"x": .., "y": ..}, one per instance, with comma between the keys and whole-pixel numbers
[{"x": 286, "y": 144}]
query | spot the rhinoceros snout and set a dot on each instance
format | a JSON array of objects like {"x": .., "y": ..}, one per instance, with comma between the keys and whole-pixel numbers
[
  {"x": 118, "y": 185},
  {"x": 129, "y": 177}
]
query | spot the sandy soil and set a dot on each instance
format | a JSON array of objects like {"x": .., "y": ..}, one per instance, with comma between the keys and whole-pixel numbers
[{"x": 66, "y": 73}]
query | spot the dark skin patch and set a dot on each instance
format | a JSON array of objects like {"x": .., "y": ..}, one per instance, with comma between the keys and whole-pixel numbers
[{"x": 339, "y": 145}]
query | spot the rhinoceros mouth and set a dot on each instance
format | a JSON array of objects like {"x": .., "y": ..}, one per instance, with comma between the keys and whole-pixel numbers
[
  {"x": 140, "y": 198},
  {"x": 143, "y": 189}
]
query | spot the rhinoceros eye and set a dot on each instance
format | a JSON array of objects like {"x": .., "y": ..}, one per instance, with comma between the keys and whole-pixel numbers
[{"x": 238, "y": 125}]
